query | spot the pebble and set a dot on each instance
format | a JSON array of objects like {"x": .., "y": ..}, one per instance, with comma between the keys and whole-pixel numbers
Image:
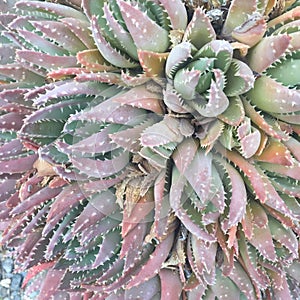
[
  {"x": 8, "y": 265},
  {"x": 5, "y": 283},
  {"x": 3, "y": 292},
  {"x": 16, "y": 282},
  {"x": 10, "y": 283}
]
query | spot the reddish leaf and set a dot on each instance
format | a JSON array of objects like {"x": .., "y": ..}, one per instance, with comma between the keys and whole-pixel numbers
[
  {"x": 256, "y": 274},
  {"x": 139, "y": 25},
  {"x": 133, "y": 241},
  {"x": 141, "y": 97},
  {"x": 239, "y": 276},
  {"x": 204, "y": 257},
  {"x": 200, "y": 30},
  {"x": 152, "y": 63},
  {"x": 107, "y": 248},
  {"x": 68, "y": 196},
  {"x": 36, "y": 199},
  {"x": 35, "y": 270},
  {"x": 93, "y": 60},
  {"x": 101, "y": 168},
  {"x": 98, "y": 207},
  {"x": 171, "y": 285},
  {"x": 238, "y": 199},
  {"x": 267, "y": 51},
  {"x": 51, "y": 283},
  {"x": 276, "y": 153},
  {"x": 110, "y": 54},
  {"x": 46, "y": 61},
  {"x": 154, "y": 263},
  {"x": 262, "y": 240}
]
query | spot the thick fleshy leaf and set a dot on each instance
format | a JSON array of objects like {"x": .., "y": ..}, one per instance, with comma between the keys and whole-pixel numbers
[
  {"x": 51, "y": 8},
  {"x": 185, "y": 83},
  {"x": 217, "y": 99},
  {"x": 199, "y": 31},
  {"x": 134, "y": 213},
  {"x": 173, "y": 100},
  {"x": 239, "y": 77},
  {"x": 107, "y": 248},
  {"x": 271, "y": 96},
  {"x": 93, "y": 60},
  {"x": 141, "y": 97},
  {"x": 50, "y": 285},
  {"x": 96, "y": 143},
  {"x": 277, "y": 153},
  {"x": 111, "y": 111},
  {"x": 285, "y": 236},
  {"x": 290, "y": 171},
  {"x": 132, "y": 142},
  {"x": 176, "y": 193},
  {"x": 252, "y": 30},
  {"x": 262, "y": 240},
  {"x": 98, "y": 207},
  {"x": 184, "y": 154},
  {"x": 199, "y": 173},
  {"x": 234, "y": 113},
  {"x": 180, "y": 54},
  {"x": 81, "y": 29},
  {"x": 123, "y": 36},
  {"x": 171, "y": 285},
  {"x": 18, "y": 73},
  {"x": 11, "y": 121},
  {"x": 268, "y": 51},
  {"x": 237, "y": 14},
  {"x": 17, "y": 165},
  {"x": 221, "y": 50},
  {"x": 242, "y": 280},
  {"x": 162, "y": 133},
  {"x": 238, "y": 199},
  {"x": 176, "y": 12},
  {"x": 262, "y": 186},
  {"x": 154, "y": 263},
  {"x": 280, "y": 285},
  {"x": 285, "y": 17},
  {"x": 224, "y": 287},
  {"x": 61, "y": 34},
  {"x": 268, "y": 125},
  {"x": 250, "y": 143},
  {"x": 66, "y": 199},
  {"x": 204, "y": 255},
  {"x": 162, "y": 217},
  {"x": 256, "y": 274},
  {"x": 133, "y": 241},
  {"x": 69, "y": 88},
  {"x": 140, "y": 25},
  {"x": 112, "y": 55},
  {"x": 152, "y": 63},
  {"x": 101, "y": 168}
]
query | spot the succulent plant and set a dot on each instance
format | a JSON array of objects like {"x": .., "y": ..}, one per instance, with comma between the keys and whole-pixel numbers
[{"x": 149, "y": 154}]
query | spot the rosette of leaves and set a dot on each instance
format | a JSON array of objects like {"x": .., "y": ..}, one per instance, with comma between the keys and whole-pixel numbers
[{"x": 151, "y": 167}]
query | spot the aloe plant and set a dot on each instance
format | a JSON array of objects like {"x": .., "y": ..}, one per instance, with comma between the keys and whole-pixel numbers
[{"x": 148, "y": 153}]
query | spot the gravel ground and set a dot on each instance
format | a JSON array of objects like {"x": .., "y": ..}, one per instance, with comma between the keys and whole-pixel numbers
[{"x": 10, "y": 282}]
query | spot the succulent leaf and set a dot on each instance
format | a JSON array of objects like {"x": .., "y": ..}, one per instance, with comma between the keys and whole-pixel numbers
[
  {"x": 199, "y": 31},
  {"x": 150, "y": 148},
  {"x": 139, "y": 25},
  {"x": 272, "y": 97}
]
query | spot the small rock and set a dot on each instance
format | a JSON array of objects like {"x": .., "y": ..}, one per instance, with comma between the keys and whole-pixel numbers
[
  {"x": 16, "y": 282},
  {"x": 5, "y": 283},
  {"x": 8, "y": 265},
  {"x": 3, "y": 292},
  {"x": 15, "y": 296}
]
